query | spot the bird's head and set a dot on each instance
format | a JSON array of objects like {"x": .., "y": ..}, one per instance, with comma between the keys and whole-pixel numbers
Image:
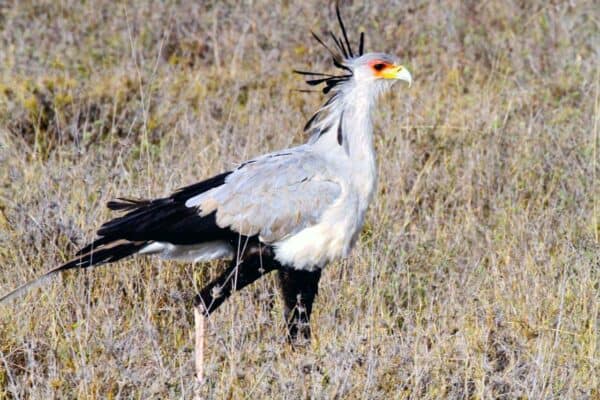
[{"x": 378, "y": 70}]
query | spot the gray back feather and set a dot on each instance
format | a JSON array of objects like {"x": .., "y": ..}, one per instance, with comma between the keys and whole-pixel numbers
[{"x": 273, "y": 196}]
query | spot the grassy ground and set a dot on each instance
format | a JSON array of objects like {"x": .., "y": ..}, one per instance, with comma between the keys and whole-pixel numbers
[{"x": 477, "y": 275}]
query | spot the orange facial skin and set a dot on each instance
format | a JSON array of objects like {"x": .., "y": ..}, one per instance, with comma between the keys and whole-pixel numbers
[{"x": 385, "y": 70}]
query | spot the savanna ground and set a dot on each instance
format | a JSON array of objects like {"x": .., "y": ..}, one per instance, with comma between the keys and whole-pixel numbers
[{"x": 477, "y": 274}]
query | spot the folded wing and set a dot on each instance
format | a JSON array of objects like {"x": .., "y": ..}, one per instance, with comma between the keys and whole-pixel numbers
[{"x": 273, "y": 197}]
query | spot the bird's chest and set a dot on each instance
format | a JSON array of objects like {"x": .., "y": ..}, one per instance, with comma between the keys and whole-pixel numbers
[
  {"x": 315, "y": 246},
  {"x": 334, "y": 236}
]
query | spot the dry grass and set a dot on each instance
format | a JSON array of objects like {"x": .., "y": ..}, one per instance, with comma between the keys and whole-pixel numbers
[{"x": 477, "y": 275}]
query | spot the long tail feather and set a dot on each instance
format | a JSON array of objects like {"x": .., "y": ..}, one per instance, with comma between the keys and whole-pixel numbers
[
  {"x": 110, "y": 253},
  {"x": 29, "y": 285}
]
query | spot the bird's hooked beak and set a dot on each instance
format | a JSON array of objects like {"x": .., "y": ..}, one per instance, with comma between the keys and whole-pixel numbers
[{"x": 398, "y": 72}]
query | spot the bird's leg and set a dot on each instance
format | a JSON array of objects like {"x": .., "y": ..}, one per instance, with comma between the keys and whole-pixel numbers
[
  {"x": 199, "y": 326},
  {"x": 299, "y": 289},
  {"x": 239, "y": 275}
]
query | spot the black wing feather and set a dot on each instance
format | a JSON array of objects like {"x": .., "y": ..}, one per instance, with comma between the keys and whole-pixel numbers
[{"x": 165, "y": 219}]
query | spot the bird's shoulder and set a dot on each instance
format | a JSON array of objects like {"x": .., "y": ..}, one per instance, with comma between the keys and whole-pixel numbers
[{"x": 281, "y": 168}]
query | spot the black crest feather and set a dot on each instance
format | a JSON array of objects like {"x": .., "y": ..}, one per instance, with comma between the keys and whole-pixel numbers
[{"x": 340, "y": 54}]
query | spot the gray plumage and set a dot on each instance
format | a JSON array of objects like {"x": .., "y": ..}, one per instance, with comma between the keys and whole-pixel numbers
[{"x": 273, "y": 196}]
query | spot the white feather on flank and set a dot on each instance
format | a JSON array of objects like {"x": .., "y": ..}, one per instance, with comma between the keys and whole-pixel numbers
[{"x": 192, "y": 253}]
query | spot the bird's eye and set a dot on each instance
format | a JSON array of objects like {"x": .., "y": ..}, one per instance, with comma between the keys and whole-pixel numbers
[{"x": 379, "y": 66}]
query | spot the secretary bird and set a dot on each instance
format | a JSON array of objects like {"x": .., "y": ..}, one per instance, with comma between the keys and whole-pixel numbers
[{"x": 292, "y": 211}]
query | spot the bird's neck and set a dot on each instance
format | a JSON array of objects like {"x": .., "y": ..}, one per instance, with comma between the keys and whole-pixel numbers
[
  {"x": 356, "y": 123},
  {"x": 352, "y": 109}
]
